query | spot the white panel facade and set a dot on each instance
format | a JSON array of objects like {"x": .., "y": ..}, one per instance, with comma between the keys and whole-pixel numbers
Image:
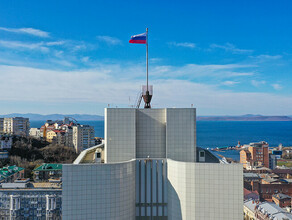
[
  {"x": 151, "y": 189},
  {"x": 99, "y": 191},
  {"x": 120, "y": 134},
  {"x": 204, "y": 191},
  {"x": 181, "y": 134},
  {"x": 150, "y": 133}
]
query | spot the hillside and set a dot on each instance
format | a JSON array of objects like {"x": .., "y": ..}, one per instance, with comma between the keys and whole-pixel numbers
[{"x": 30, "y": 153}]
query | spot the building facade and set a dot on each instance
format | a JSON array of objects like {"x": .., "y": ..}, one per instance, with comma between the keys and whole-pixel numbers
[
  {"x": 83, "y": 137},
  {"x": 257, "y": 154},
  {"x": 151, "y": 163},
  {"x": 18, "y": 201},
  {"x": 15, "y": 126},
  {"x": 5, "y": 142},
  {"x": 35, "y": 133}
]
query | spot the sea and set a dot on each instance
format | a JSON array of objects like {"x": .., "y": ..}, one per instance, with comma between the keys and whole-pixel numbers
[{"x": 212, "y": 134}]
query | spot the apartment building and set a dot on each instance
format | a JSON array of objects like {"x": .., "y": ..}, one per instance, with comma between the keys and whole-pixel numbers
[
  {"x": 257, "y": 154},
  {"x": 83, "y": 137},
  {"x": 15, "y": 126},
  {"x": 24, "y": 200}
]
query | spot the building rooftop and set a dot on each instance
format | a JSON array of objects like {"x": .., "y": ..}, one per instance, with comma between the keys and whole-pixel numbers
[
  {"x": 5, "y": 172},
  {"x": 251, "y": 175},
  {"x": 281, "y": 196},
  {"x": 274, "y": 211},
  {"x": 49, "y": 167},
  {"x": 250, "y": 204},
  {"x": 246, "y": 192},
  {"x": 30, "y": 185},
  {"x": 282, "y": 171}
]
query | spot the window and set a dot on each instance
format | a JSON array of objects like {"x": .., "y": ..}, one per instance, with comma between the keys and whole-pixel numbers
[{"x": 202, "y": 153}]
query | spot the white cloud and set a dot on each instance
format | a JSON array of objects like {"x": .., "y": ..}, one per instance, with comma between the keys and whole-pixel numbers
[
  {"x": 55, "y": 43},
  {"x": 29, "y": 31},
  {"x": 23, "y": 46},
  {"x": 257, "y": 83},
  {"x": 183, "y": 44},
  {"x": 231, "y": 48},
  {"x": 277, "y": 86},
  {"x": 229, "y": 83},
  {"x": 265, "y": 57},
  {"x": 109, "y": 40},
  {"x": 115, "y": 83},
  {"x": 192, "y": 71}
]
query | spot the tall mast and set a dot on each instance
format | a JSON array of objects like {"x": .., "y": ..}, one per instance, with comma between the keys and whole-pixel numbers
[
  {"x": 147, "y": 58},
  {"x": 147, "y": 96}
]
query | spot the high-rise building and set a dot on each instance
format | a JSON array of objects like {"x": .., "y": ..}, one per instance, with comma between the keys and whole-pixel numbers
[
  {"x": 83, "y": 137},
  {"x": 16, "y": 126},
  {"x": 152, "y": 170}
]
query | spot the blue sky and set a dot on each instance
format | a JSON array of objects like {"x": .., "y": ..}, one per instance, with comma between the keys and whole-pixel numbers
[{"x": 224, "y": 57}]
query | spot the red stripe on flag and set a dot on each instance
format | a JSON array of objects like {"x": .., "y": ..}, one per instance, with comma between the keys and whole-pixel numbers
[{"x": 137, "y": 41}]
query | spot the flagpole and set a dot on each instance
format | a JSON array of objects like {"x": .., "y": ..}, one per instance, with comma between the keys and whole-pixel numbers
[{"x": 147, "y": 57}]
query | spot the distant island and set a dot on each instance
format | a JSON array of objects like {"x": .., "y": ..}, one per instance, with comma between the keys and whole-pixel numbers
[
  {"x": 248, "y": 117},
  {"x": 87, "y": 117}
]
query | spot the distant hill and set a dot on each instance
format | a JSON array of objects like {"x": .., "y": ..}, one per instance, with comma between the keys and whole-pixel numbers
[
  {"x": 248, "y": 117},
  {"x": 86, "y": 117},
  {"x": 39, "y": 117}
]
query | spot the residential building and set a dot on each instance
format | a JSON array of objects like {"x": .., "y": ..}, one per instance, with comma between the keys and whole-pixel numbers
[
  {"x": 25, "y": 200},
  {"x": 68, "y": 136},
  {"x": 264, "y": 211},
  {"x": 51, "y": 135},
  {"x": 283, "y": 173},
  {"x": 15, "y": 126},
  {"x": 249, "y": 209},
  {"x": 47, "y": 171},
  {"x": 282, "y": 200},
  {"x": 11, "y": 173},
  {"x": 152, "y": 170},
  {"x": 268, "y": 187},
  {"x": 5, "y": 142},
  {"x": 257, "y": 154},
  {"x": 272, "y": 161},
  {"x": 1, "y": 125},
  {"x": 4, "y": 155},
  {"x": 268, "y": 211},
  {"x": 35, "y": 132},
  {"x": 254, "y": 195},
  {"x": 83, "y": 137}
]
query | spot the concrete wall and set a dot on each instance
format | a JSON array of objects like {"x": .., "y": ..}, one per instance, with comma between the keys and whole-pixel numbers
[
  {"x": 204, "y": 191},
  {"x": 150, "y": 128},
  {"x": 120, "y": 134},
  {"x": 151, "y": 189},
  {"x": 99, "y": 191},
  {"x": 181, "y": 134},
  {"x": 157, "y": 133}
]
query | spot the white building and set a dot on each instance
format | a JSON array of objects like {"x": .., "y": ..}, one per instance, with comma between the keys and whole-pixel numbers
[
  {"x": 83, "y": 137},
  {"x": 35, "y": 132},
  {"x": 151, "y": 171},
  {"x": 16, "y": 126}
]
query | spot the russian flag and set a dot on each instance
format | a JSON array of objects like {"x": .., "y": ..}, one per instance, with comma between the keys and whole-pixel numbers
[{"x": 138, "y": 39}]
